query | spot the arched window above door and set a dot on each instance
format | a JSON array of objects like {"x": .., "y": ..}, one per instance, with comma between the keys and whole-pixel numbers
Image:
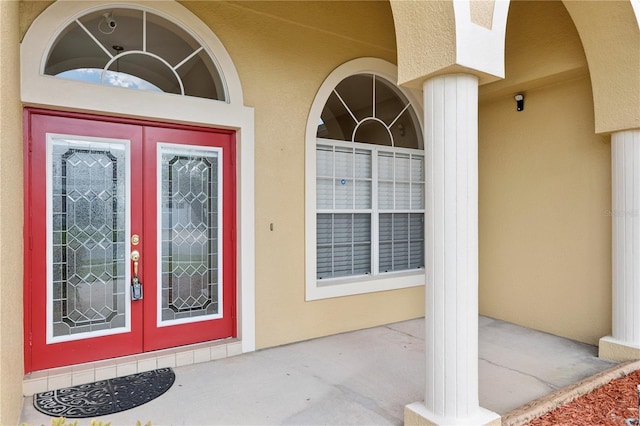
[{"x": 136, "y": 49}]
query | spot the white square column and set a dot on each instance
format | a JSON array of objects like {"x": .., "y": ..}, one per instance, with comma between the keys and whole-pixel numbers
[
  {"x": 451, "y": 248},
  {"x": 624, "y": 344}
]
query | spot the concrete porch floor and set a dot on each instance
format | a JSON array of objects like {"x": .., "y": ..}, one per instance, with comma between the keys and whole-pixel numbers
[{"x": 358, "y": 378}]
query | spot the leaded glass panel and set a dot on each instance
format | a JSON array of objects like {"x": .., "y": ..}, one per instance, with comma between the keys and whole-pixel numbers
[
  {"x": 87, "y": 236},
  {"x": 190, "y": 251}
]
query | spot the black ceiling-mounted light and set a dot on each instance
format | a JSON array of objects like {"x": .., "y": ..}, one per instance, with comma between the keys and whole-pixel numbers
[{"x": 519, "y": 101}]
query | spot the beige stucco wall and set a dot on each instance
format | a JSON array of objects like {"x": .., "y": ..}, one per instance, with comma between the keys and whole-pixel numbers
[
  {"x": 544, "y": 175},
  {"x": 426, "y": 38},
  {"x": 10, "y": 217},
  {"x": 281, "y": 64},
  {"x": 544, "y": 184}
]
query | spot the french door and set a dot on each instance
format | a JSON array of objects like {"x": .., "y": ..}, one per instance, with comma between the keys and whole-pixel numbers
[{"x": 129, "y": 237}]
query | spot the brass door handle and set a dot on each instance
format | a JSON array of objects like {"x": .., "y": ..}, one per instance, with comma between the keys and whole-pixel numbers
[{"x": 135, "y": 257}]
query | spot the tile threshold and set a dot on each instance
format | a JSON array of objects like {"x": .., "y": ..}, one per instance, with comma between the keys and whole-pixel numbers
[{"x": 56, "y": 378}]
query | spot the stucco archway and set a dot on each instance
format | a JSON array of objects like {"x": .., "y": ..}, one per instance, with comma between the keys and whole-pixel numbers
[
  {"x": 610, "y": 36},
  {"x": 444, "y": 37}
]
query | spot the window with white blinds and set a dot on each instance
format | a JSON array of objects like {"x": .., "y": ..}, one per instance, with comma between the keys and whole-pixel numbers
[
  {"x": 370, "y": 209},
  {"x": 401, "y": 211},
  {"x": 365, "y": 184}
]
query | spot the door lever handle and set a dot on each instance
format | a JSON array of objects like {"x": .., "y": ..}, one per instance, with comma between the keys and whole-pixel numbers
[{"x": 135, "y": 257}]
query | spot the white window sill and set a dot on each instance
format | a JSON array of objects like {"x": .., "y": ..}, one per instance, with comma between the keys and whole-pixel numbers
[{"x": 339, "y": 287}]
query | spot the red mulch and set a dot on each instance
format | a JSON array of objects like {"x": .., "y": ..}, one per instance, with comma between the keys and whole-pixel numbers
[{"x": 608, "y": 405}]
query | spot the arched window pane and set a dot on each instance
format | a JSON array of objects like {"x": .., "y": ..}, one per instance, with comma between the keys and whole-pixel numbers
[
  {"x": 357, "y": 92},
  {"x": 366, "y": 108},
  {"x": 197, "y": 75},
  {"x": 112, "y": 78},
  {"x": 74, "y": 38},
  {"x": 388, "y": 103},
  {"x": 406, "y": 131},
  {"x": 373, "y": 132},
  {"x": 139, "y": 44},
  {"x": 147, "y": 68},
  {"x": 336, "y": 123}
]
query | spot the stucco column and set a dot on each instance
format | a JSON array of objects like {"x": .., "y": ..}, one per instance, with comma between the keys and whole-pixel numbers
[
  {"x": 451, "y": 246},
  {"x": 624, "y": 343}
]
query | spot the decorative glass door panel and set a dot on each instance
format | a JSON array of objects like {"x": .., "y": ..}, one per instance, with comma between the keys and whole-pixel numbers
[
  {"x": 191, "y": 274},
  {"x": 87, "y": 212},
  {"x": 190, "y": 224},
  {"x": 129, "y": 237}
]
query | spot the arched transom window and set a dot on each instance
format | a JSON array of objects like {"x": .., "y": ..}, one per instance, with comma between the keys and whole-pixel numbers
[
  {"x": 369, "y": 182},
  {"x": 368, "y": 109},
  {"x": 136, "y": 49}
]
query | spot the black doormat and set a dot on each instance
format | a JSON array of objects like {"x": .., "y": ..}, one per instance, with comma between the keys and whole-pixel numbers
[{"x": 106, "y": 396}]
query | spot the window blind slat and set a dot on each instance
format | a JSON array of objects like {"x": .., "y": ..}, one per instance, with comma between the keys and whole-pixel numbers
[
  {"x": 363, "y": 194},
  {"x": 402, "y": 167},
  {"x": 403, "y": 195},
  {"x": 343, "y": 158},
  {"x": 400, "y": 226},
  {"x": 363, "y": 164},
  {"x": 385, "y": 165},
  {"x": 417, "y": 168},
  {"x": 343, "y": 244},
  {"x": 386, "y": 257},
  {"x": 324, "y": 193},
  {"x": 400, "y": 256},
  {"x": 385, "y": 195},
  {"x": 417, "y": 196},
  {"x": 324, "y": 161},
  {"x": 401, "y": 243}
]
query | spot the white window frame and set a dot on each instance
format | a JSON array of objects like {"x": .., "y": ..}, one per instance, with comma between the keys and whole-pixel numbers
[
  {"x": 338, "y": 287},
  {"x": 172, "y": 148},
  {"x": 84, "y": 142}
]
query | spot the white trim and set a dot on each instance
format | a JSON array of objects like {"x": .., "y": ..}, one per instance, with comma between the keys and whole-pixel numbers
[
  {"x": 165, "y": 147},
  {"x": 478, "y": 47},
  {"x": 82, "y": 141},
  {"x": 48, "y": 91},
  {"x": 420, "y": 414},
  {"x": 366, "y": 284}
]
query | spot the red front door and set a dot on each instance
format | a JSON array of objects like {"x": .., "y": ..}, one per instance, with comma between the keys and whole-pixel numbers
[{"x": 110, "y": 204}]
